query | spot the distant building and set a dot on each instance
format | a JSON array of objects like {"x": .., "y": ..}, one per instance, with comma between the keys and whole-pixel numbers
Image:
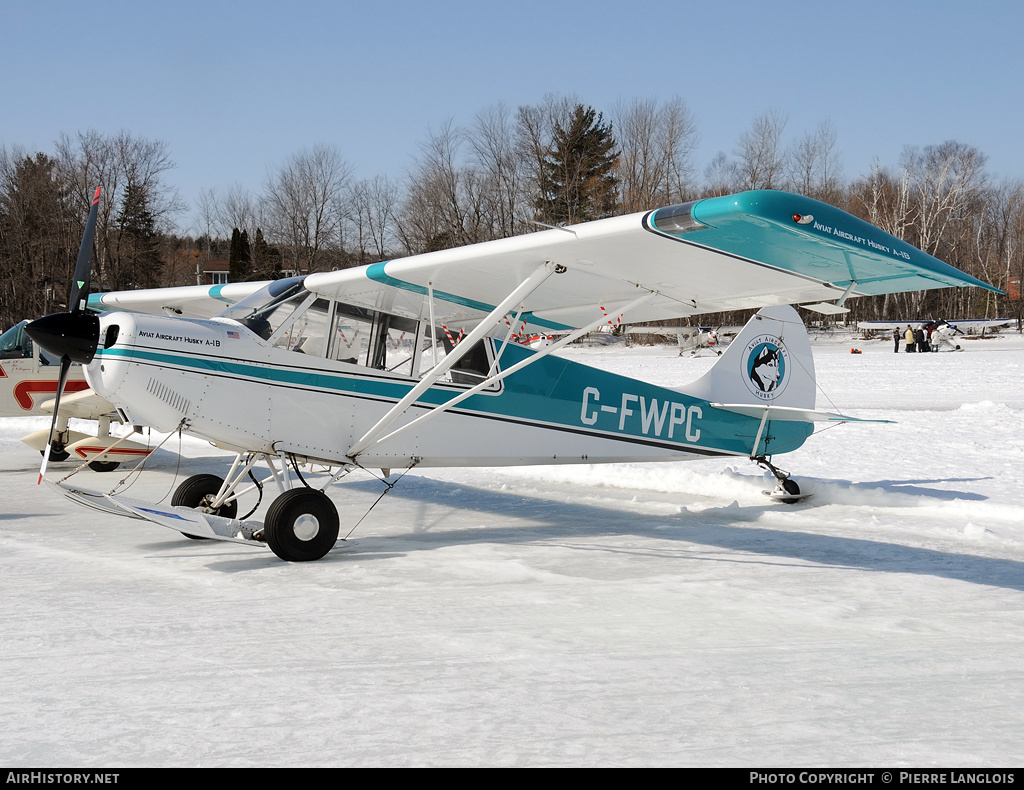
[{"x": 212, "y": 272}]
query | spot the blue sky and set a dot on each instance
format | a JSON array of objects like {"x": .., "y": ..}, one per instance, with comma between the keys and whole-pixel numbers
[{"x": 234, "y": 88}]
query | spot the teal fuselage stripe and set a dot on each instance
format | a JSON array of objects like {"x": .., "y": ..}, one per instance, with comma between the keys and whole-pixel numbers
[
  {"x": 552, "y": 392},
  {"x": 376, "y": 272}
]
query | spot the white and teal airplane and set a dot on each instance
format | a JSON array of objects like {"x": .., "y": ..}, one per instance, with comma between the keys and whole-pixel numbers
[{"x": 415, "y": 362}]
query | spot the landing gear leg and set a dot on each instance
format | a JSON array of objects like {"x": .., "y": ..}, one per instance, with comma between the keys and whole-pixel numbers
[{"x": 787, "y": 490}]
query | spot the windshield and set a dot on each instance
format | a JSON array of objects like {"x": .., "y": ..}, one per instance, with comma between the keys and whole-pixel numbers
[
  {"x": 14, "y": 343},
  {"x": 266, "y": 309}
]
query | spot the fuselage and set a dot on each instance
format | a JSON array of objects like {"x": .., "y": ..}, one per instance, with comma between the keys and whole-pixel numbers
[{"x": 226, "y": 384}]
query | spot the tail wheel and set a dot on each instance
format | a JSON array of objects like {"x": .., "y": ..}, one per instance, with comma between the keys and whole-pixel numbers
[
  {"x": 790, "y": 487},
  {"x": 301, "y": 525},
  {"x": 199, "y": 491}
]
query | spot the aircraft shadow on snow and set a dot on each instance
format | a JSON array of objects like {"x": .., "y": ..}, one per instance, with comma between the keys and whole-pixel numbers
[{"x": 540, "y": 519}]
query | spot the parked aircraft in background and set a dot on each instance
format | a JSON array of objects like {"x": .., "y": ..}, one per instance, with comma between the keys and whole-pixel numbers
[
  {"x": 28, "y": 386},
  {"x": 942, "y": 334},
  {"x": 412, "y": 362},
  {"x": 692, "y": 339}
]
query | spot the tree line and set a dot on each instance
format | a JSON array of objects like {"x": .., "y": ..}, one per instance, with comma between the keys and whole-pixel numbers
[{"x": 510, "y": 171}]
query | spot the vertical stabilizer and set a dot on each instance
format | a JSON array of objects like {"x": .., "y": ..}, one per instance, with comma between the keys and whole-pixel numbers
[{"x": 768, "y": 364}]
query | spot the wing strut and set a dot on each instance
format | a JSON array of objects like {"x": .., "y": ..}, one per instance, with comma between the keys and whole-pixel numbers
[
  {"x": 525, "y": 288},
  {"x": 576, "y": 333}
]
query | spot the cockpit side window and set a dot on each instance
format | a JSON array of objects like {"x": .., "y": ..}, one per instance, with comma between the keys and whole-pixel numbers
[
  {"x": 394, "y": 343},
  {"x": 307, "y": 331},
  {"x": 350, "y": 334}
]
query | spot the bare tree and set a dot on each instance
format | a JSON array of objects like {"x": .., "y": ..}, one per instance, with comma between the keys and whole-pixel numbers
[
  {"x": 303, "y": 203},
  {"x": 373, "y": 209},
  {"x": 114, "y": 163},
  {"x": 446, "y": 204},
  {"x": 760, "y": 159},
  {"x": 946, "y": 180},
  {"x": 656, "y": 143},
  {"x": 814, "y": 167},
  {"x": 238, "y": 208},
  {"x": 503, "y": 172},
  {"x": 721, "y": 176}
]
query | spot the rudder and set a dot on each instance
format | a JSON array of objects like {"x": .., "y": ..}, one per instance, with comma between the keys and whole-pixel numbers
[{"x": 768, "y": 364}]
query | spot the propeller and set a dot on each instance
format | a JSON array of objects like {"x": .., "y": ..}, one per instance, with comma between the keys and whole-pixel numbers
[{"x": 72, "y": 336}]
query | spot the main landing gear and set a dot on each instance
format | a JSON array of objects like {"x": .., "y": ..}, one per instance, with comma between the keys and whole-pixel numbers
[{"x": 302, "y": 524}]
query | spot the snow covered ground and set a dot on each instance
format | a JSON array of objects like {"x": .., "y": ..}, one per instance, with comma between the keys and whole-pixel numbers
[{"x": 625, "y": 615}]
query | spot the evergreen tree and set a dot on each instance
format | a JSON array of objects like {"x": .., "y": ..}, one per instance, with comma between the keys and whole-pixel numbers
[
  {"x": 266, "y": 260},
  {"x": 240, "y": 257},
  {"x": 577, "y": 180},
  {"x": 138, "y": 263},
  {"x": 39, "y": 233}
]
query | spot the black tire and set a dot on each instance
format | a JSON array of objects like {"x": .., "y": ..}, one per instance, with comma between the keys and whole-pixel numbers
[
  {"x": 104, "y": 466},
  {"x": 57, "y": 452},
  {"x": 196, "y": 492},
  {"x": 790, "y": 487},
  {"x": 301, "y": 525}
]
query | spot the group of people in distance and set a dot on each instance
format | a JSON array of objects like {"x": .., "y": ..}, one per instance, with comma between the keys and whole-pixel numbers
[{"x": 920, "y": 340}]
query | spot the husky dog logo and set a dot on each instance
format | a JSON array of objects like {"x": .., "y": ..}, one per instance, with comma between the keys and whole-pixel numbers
[{"x": 765, "y": 368}]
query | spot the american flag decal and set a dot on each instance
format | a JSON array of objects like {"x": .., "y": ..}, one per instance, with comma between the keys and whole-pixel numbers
[{"x": 233, "y": 334}]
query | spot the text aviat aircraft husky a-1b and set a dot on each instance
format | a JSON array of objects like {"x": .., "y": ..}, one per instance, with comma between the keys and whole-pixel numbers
[{"x": 412, "y": 362}]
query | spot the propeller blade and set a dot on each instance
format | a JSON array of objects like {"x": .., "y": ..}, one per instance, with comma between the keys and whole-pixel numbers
[
  {"x": 74, "y": 335},
  {"x": 83, "y": 266},
  {"x": 65, "y": 366}
]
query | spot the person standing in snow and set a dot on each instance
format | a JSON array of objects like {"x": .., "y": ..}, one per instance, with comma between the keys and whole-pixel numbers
[
  {"x": 896, "y": 340},
  {"x": 909, "y": 334}
]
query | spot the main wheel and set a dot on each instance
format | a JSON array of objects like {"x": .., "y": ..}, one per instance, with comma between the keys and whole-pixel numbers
[
  {"x": 199, "y": 491},
  {"x": 57, "y": 452},
  {"x": 301, "y": 525},
  {"x": 104, "y": 466}
]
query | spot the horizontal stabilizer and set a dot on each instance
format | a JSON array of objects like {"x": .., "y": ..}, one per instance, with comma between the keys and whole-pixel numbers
[
  {"x": 826, "y": 308},
  {"x": 788, "y": 413}
]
